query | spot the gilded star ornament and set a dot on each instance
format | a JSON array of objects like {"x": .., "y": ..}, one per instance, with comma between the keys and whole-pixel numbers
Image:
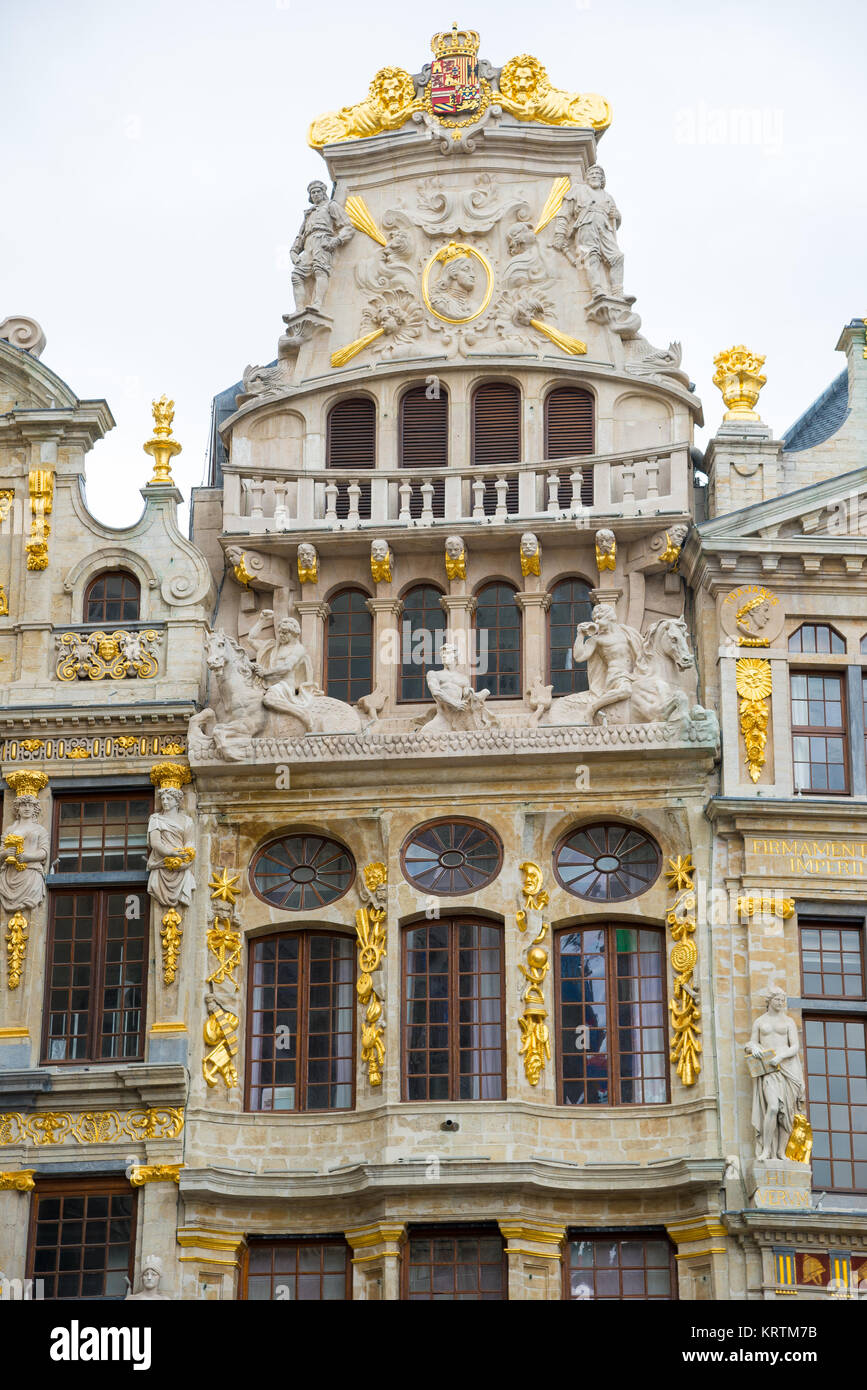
[
  {"x": 222, "y": 886},
  {"x": 680, "y": 871}
]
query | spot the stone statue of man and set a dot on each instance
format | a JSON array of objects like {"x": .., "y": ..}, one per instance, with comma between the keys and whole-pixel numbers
[
  {"x": 285, "y": 664},
  {"x": 611, "y": 650},
  {"x": 778, "y": 1077},
  {"x": 586, "y": 230},
  {"x": 325, "y": 227}
]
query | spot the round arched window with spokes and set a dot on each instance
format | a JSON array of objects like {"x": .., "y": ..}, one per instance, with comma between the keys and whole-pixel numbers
[
  {"x": 607, "y": 862},
  {"x": 452, "y": 856},
  {"x": 302, "y": 872}
]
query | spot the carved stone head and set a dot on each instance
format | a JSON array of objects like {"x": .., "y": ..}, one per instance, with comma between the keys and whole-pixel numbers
[
  {"x": 529, "y": 544},
  {"x": 596, "y": 176},
  {"x": 287, "y": 628},
  {"x": 307, "y": 555},
  {"x": 379, "y": 550},
  {"x": 171, "y": 798},
  {"x": 317, "y": 192}
]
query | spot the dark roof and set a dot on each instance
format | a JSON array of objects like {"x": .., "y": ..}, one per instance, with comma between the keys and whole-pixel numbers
[
  {"x": 820, "y": 420},
  {"x": 222, "y": 406}
]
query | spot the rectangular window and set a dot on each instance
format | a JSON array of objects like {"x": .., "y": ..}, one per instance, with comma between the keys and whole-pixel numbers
[
  {"x": 457, "y": 1265},
  {"x": 305, "y": 1270},
  {"x": 631, "y": 1265},
  {"x": 453, "y": 1011},
  {"x": 302, "y": 1009},
  {"x": 836, "y": 1050},
  {"x": 82, "y": 1238},
  {"x": 97, "y": 956},
  {"x": 97, "y": 971},
  {"x": 832, "y": 960},
  {"x": 612, "y": 1017},
  {"x": 819, "y": 748}
]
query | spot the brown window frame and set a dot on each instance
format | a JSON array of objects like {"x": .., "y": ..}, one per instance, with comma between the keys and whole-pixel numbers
[
  {"x": 347, "y": 680},
  {"x": 69, "y": 1186},
  {"x": 116, "y": 794},
  {"x": 602, "y": 1236},
  {"x": 843, "y": 924},
  {"x": 296, "y": 1242},
  {"x": 435, "y": 658},
  {"x": 483, "y": 682},
  {"x": 434, "y": 825},
  {"x": 823, "y": 731},
  {"x": 565, "y": 579},
  {"x": 800, "y": 650},
  {"x": 612, "y": 1027},
  {"x": 515, "y": 439},
  {"x": 454, "y": 1231},
  {"x": 126, "y": 576},
  {"x": 305, "y": 936},
  {"x": 454, "y": 920},
  {"x": 817, "y": 1015}
]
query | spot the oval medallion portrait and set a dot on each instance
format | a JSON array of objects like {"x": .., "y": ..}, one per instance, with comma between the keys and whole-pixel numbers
[{"x": 457, "y": 283}]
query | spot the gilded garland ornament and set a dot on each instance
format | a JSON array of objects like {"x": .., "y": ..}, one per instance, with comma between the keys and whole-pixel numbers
[
  {"x": 16, "y": 943},
  {"x": 41, "y": 489},
  {"x": 535, "y": 1045},
  {"x": 754, "y": 683},
  {"x": 43, "y": 1127},
  {"x": 371, "y": 942},
  {"x": 224, "y": 941},
  {"x": 171, "y": 936},
  {"x": 685, "y": 1014}
]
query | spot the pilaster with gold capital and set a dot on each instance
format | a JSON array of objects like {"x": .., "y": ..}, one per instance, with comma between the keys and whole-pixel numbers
[
  {"x": 534, "y": 1251},
  {"x": 376, "y": 1255},
  {"x": 534, "y": 606},
  {"x": 314, "y": 613},
  {"x": 387, "y": 646}
]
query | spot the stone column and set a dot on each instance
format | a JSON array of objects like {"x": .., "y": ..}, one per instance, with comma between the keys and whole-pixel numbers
[
  {"x": 157, "y": 1222},
  {"x": 376, "y": 1256},
  {"x": 210, "y": 1263},
  {"x": 15, "y": 1189},
  {"x": 387, "y": 647},
  {"x": 459, "y": 610},
  {"x": 313, "y": 613},
  {"x": 534, "y": 606},
  {"x": 535, "y": 1255}
]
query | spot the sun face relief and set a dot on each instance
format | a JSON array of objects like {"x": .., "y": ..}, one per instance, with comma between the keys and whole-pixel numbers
[{"x": 453, "y": 288}]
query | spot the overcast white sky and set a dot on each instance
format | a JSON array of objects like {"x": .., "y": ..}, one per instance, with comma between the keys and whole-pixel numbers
[{"x": 155, "y": 162}]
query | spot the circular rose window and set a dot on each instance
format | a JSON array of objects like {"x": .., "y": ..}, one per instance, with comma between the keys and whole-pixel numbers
[
  {"x": 607, "y": 863},
  {"x": 302, "y": 872},
  {"x": 452, "y": 856}
]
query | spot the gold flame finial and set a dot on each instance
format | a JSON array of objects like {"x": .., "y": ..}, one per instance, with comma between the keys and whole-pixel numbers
[
  {"x": 161, "y": 446},
  {"x": 739, "y": 377}
]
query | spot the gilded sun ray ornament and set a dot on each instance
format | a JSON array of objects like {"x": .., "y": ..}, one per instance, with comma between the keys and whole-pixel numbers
[{"x": 754, "y": 683}]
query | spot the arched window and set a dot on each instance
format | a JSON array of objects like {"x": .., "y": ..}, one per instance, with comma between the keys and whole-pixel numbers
[
  {"x": 112, "y": 597},
  {"x": 349, "y": 647},
  {"x": 422, "y": 626},
  {"x": 496, "y": 423},
  {"x": 424, "y": 429},
  {"x": 301, "y": 1011},
  {"x": 498, "y": 642},
  {"x": 453, "y": 1010},
  {"x": 351, "y": 445},
  {"x": 452, "y": 856},
  {"x": 611, "y": 1016},
  {"x": 818, "y": 637},
  {"x": 301, "y": 872},
  {"x": 571, "y": 604},
  {"x": 352, "y": 434},
  {"x": 607, "y": 862},
  {"x": 569, "y": 431}
]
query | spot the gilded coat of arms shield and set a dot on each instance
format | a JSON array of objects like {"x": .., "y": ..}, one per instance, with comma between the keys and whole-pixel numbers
[{"x": 455, "y": 93}]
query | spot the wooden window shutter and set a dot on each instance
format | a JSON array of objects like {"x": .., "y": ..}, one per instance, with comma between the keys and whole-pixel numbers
[
  {"x": 352, "y": 434},
  {"x": 568, "y": 422},
  {"x": 496, "y": 423},
  {"x": 424, "y": 430}
]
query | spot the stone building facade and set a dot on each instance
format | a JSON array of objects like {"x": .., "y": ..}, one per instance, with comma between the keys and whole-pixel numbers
[{"x": 361, "y": 934}]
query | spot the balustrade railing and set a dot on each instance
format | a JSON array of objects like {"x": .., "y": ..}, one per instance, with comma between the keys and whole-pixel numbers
[{"x": 601, "y": 485}]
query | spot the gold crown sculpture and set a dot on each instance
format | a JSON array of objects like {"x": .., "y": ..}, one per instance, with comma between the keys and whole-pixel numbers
[
  {"x": 170, "y": 776},
  {"x": 455, "y": 44},
  {"x": 29, "y": 783}
]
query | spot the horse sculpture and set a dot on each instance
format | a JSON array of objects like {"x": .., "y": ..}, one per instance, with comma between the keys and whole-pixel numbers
[{"x": 241, "y": 714}]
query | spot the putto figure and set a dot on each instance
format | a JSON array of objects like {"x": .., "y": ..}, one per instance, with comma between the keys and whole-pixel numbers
[
  {"x": 325, "y": 227},
  {"x": 773, "y": 1054}
]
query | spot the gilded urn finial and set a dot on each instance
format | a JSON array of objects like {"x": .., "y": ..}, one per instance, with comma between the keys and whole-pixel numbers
[
  {"x": 161, "y": 446},
  {"x": 739, "y": 377}
]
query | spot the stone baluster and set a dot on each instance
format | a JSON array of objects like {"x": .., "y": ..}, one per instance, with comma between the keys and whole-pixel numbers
[
  {"x": 427, "y": 492},
  {"x": 257, "y": 499},
  {"x": 281, "y": 510},
  {"x": 353, "y": 519},
  {"x": 478, "y": 500},
  {"x": 553, "y": 485},
  {"x": 652, "y": 476},
  {"x": 405, "y": 491},
  {"x": 331, "y": 503},
  {"x": 628, "y": 476},
  {"x": 501, "y": 513},
  {"x": 576, "y": 478}
]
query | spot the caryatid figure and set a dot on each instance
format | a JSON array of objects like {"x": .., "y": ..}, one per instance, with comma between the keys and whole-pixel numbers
[
  {"x": 151, "y": 1274},
  {"x": 324, "y": 228},
  {"x": 171, "y": 881}
]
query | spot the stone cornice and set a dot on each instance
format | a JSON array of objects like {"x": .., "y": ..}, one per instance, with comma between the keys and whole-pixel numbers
[
  {"x": 747, "y": 812},
  {"x": 816, "y": 1227}
]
